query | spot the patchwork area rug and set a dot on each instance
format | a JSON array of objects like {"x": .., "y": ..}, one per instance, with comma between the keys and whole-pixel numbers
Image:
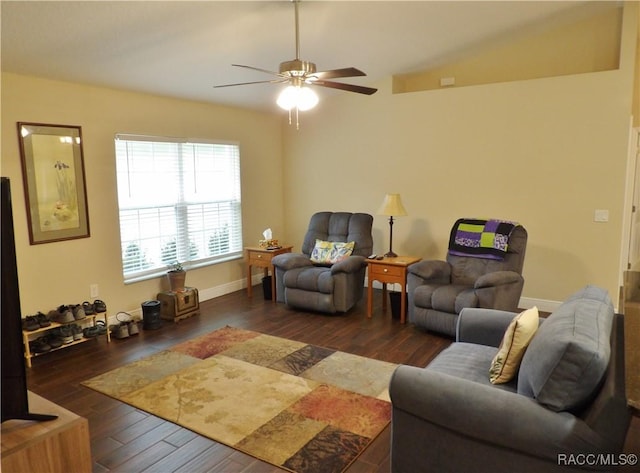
[{"x": 301, "y": 407}]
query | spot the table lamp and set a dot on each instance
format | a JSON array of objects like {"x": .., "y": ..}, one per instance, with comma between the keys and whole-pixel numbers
[{"x": 392, "y": 207}]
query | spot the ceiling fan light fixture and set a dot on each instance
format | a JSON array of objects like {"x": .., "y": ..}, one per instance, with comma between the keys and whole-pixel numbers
[{"x": 298, "y": 97}]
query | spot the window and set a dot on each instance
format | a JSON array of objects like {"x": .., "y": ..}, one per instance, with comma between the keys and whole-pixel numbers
[{"x": 179, "y": 200}]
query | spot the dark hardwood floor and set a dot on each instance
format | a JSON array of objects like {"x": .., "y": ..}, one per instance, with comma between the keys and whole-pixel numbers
[{"x": 125, "y": 439}]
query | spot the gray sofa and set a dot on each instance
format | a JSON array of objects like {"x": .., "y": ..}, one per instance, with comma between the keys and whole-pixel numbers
[
  {"x": 326, "y": 288},
  {"x": 567, "y": 400}
]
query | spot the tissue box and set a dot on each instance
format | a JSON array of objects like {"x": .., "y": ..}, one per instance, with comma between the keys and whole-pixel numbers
[{"x": 267, "y": 243}]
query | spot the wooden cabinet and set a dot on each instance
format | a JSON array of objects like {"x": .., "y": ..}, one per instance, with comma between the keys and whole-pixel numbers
[{"x": 61, "y": 445}]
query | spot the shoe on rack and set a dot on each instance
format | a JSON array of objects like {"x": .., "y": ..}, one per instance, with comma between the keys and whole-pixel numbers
[
  {"x": 65, "y": 315},
  {"x": 88, "y": 308},
  {"x": 39, "y": 345},
  {"x": 78, "y": 312},
  {"x": 90, "y": 332},
  {"x": 76, "y": 331},
  {"x": 66, "y": 333},
  {"x": 30, "y": 323},
  {"x": 102, "y": 327},
  {"x": 54, "y": 338},
  {"x": 43, "y": 320},
  {"x": 99, "y": 306}
]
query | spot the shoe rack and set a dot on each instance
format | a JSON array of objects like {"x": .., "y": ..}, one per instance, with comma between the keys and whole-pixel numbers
[{"x": 30, "y": 335}]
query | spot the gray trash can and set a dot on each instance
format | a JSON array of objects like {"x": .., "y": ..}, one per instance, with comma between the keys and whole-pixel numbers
[{"x": 266, "y": 287}]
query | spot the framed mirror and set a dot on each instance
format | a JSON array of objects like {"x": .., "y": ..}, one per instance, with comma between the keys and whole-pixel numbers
[{"x": 54, "y": 182}]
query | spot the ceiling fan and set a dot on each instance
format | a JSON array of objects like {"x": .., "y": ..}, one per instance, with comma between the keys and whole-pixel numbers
[{"x": 299, "y": 74}]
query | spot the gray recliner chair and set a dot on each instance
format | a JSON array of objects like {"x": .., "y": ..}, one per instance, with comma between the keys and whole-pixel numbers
[
  {"x": 333, "y": 288},
  {"x": 439, "y": 290}
]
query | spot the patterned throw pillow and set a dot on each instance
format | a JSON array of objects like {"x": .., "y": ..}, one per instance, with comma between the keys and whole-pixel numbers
[
  {"x": 514, "y": 343},
  {"x": 330, "y": 252}
]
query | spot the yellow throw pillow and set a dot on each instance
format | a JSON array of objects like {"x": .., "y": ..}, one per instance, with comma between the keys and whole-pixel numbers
[
  {"x": 330, "y": 252},
  {"x": 514, "y": 343}
]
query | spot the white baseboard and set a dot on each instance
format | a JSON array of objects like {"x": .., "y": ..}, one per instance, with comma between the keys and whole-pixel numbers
[
  {"x": 203, "y": 295},
  {"x": 233, "y": 286},
  {"x": 542, "y": 304}
]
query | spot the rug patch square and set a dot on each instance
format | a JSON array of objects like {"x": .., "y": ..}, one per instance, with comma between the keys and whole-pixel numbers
[
  {"x": 214, "y": 342},
  {"x": 136, "y": 375},
  {"x": 354, "y": 373},
  {"x": 281, "y": 437},
  {"x": 263, "y": 350},
  {"x": 353, "y": 412},
  {"x": 301, "y": 360},
  {"x": 320, "y": 455}
]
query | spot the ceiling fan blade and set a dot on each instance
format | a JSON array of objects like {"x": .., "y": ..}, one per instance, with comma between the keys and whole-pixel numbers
[
  {"x": 273, "y": 81},
  {"x": 348, "y": 87},
  {"x": 336, "y": 73},
  {"x": 259, "y": 70}
]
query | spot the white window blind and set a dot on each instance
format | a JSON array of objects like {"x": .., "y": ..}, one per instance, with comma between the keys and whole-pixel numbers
[{"x": 179, "y": 201}]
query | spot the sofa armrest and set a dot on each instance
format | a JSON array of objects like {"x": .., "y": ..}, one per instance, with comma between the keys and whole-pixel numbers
[
  {"x": 497, "y": 278},
  {"x": 435, "y": 271},
  {"x": 483, "y": 326},
  {"x": 350, "y": 264},
  {"x": 490, "y": 415},
  {"x": 287, "y": 261}
]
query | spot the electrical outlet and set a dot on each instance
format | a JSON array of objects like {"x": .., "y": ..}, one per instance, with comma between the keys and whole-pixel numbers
[
  {"x": 601, "y": 215},
  {"x": 93, "y": 289}
]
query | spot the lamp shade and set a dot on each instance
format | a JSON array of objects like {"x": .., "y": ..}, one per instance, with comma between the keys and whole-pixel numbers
[
  {"x": 392, "y": 206},
  {"x": 295, "y": 96}
]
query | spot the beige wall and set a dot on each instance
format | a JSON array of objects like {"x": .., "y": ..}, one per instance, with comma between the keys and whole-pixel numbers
[
  {"x": 545, "y": 152},
  {"x": 60, "y": 273},
  {"x": 576, "y": 42}
]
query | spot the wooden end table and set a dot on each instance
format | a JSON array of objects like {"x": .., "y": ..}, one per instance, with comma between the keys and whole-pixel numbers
[
  {"x": 389, "y": 271},
  {"x": 261, "y": 257}
]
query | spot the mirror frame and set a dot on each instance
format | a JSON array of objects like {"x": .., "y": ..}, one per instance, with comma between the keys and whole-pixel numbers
[{"x": 54, "y": 182}]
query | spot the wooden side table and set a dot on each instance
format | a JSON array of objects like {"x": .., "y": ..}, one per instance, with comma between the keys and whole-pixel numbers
[
  {"x": 261, "y": 258},
  {"x": 389, "y": 270}
]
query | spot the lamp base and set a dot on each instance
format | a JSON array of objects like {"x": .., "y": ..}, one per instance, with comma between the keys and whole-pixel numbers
[{"x": 390, "y": 254}]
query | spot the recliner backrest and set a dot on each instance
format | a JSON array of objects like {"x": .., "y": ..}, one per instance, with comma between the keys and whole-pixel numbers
[
  {"x": 340, "y": 226},
  {"x": 466, "y": 269}
]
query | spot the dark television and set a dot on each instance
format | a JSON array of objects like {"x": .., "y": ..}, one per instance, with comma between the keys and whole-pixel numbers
[{"x": 15, "y": 404}]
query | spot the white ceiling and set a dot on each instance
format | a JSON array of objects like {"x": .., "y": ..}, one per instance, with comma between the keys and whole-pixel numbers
[{"x": 182, "y": 48}]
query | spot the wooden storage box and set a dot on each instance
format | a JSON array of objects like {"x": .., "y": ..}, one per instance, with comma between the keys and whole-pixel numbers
[{"x": 179, "y": 305}]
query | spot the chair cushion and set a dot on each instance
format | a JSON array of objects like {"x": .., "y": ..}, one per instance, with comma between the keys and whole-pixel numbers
[
  {"x": 450, "y": 298},
  {"x": 569, "y": 354},
  {"x": 516, "y": 339},
  {"x": 330, "y": 252},
  {"x": 310, "y": 278},
  {"x": 468, "y": 361},
  {"x": 453, "y": 298}
]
